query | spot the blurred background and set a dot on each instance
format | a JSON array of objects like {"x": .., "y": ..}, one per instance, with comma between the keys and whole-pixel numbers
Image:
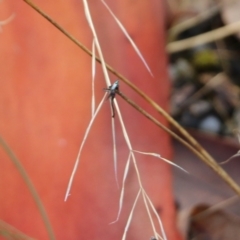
[{"x": 205, "y": 76}]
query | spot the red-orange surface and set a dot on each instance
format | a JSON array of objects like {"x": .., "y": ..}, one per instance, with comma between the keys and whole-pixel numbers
[{"x": 45, "y": 107}]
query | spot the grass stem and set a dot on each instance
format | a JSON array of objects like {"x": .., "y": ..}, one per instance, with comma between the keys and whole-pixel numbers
[{"x": 30, "y": 186}]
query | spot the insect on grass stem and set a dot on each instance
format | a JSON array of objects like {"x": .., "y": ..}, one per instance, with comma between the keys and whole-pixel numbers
[{"x": 113, "y": 90}]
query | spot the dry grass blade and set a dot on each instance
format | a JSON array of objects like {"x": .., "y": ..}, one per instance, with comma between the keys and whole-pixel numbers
[
  {"x": 81, "y": 147},
  {"x": 30, "y": 187},
  {"x": 130, "y": 216},
  {"x": 123, "y": 188},
  {"x": 189, "y": 23},
  {"x": 114, "y": 151},
  {"x": 204, "y": 38},
  {"x": 149, "y": 214},
  {"x": 156, "y": 214},
  {"x": 164, "y": 159},
  {"x": 9, "y": 232},
  {"x": 93, "y": 76},
  {"x": 91, "y": 25},
  {"x": 128, "y": 37}
]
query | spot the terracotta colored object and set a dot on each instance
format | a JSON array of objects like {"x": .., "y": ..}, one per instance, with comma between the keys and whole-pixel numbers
[{"x": 45, "y": 98}]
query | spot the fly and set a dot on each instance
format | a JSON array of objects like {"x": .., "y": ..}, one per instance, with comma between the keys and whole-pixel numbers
[{"x": 113, "y": 89}]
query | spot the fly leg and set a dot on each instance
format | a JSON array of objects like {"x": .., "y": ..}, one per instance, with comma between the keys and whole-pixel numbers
[
  {"x": 113, "y": 89},
  {"x": 112, "y": 106}
]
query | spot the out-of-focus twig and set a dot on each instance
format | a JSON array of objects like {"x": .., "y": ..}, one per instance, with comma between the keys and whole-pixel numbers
[
  {"x": 182, "y": 26},
  {"x": 204, "y": 38},
  {"x": 9, "y": 232}
]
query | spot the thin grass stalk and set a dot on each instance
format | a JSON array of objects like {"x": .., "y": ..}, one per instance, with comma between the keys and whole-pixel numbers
[
  {"x": 204, "y": 38},
  {"x": 128, "y": 37},
  {"x": 142, "y": 189},
  {"x": 114, "y": 151},
  {"x": 9, "y": 232},
  {"x": 149, "y": 214},
  {"x": 93, "y": 77},
  {"x": 174, "y": 31},
  {"x": 81, "y": 147},
  {"x": 128, "y": 143},
  {"x": 157, "y": 215},
  {"x": 156, "y": 155},
  {"x": 123, "y": 188},
  {"x": 130, "y": 216},
  {"x": 30, "y": 187},
  {"x": 91, "y": 25}
]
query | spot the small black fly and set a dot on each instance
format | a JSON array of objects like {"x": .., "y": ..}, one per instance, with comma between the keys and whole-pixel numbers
[{"x": 113, "y": 89}]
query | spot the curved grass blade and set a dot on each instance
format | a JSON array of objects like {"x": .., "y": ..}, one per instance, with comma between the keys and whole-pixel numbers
[
  {"x": 128, "y": 37},
  {"x": 148, "y": 212},
  {"x": 114, "y": 151},
  {"x": 81, "y": 147},
  {"x": 130, "y": 216},
  {"x": 91, "y": 25},
  {"x": 30, "y": 187},
  {"x": 93, "y": 76},
  {"x": 156, "y": 214},
  {"x": 9, "y": 232},
  {"x": 164, "y": 159},
  {"x": 123, "y": 188}
]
